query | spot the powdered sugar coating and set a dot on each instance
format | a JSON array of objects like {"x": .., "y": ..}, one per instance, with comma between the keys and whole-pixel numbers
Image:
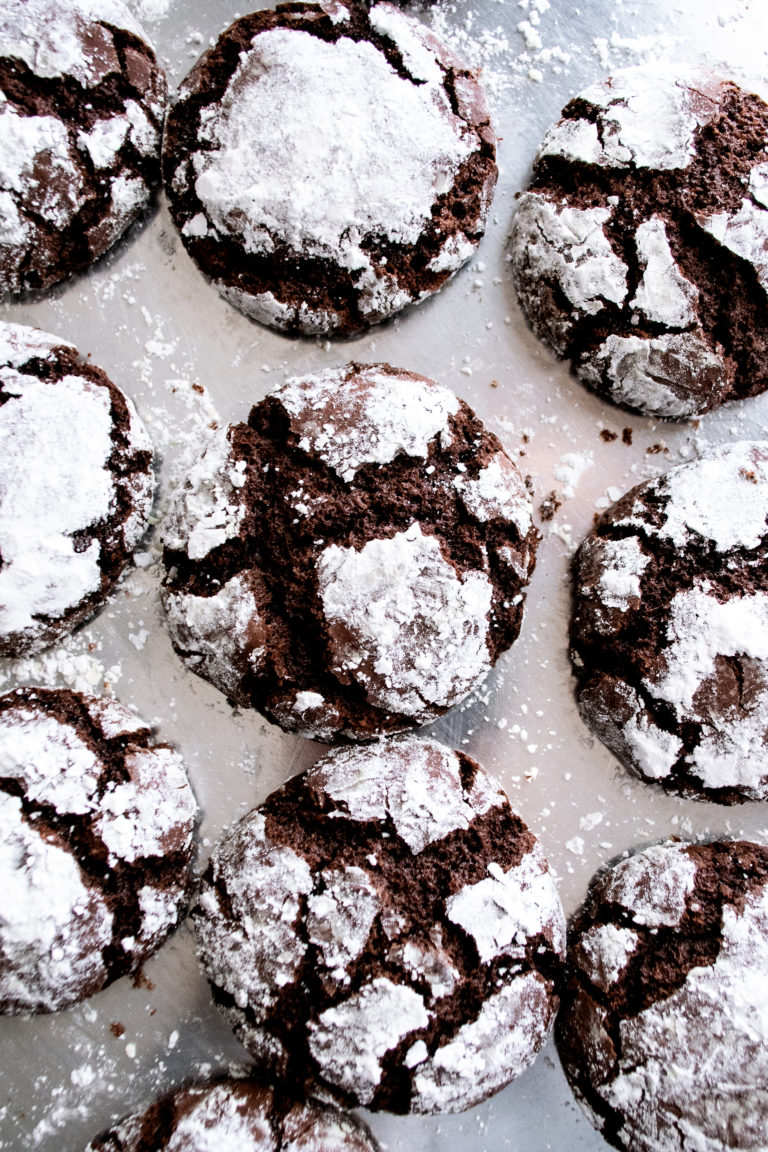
[
  {"x": 683, "y": 698},
  {"x": 292, "y": 162},
  {"x": 390, "y": 845},
  {"x": 403, "y": 623},
  {"x": 664, "y": 294},
  {"x": 45, "y": 183},
  {"x": 369, "y": 420},
  {"x": 60, "y": 491},
  {"x": 653, "y": 885},
  {"x": 58, "y": 918},
  {"x": 297, "y": 581},
  {"x": 683, "y": 1065}
]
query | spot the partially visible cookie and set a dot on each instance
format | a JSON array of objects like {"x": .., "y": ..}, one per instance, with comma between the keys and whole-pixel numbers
[
  {"x": 96, "y": 842},
  {"x": 76, "y": 487},
  {"x": 353, "y": 560},
  {"x": 669, "y": 635},
  {"x": 236, "y": 1116},
  {"x": 328, "y": 164},
  {"x": 663, "y": 1032},
  {"x": 385, "y": 929},
  {"x": 82, "y": 101},
  {"x": 639, "y": 249}
]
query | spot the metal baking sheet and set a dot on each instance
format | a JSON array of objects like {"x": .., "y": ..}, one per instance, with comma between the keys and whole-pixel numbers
[{"x": 187, "y": 358}]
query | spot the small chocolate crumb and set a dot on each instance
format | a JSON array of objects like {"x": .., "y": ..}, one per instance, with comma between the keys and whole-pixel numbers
[
  {"x": 607, "y": 435},
  {"x": 626, "y": 436}
]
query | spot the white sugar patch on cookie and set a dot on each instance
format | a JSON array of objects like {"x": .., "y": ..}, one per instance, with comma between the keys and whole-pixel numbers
[
  {"x": 568, "y": 245},
  {"x": 702, "y": 1048},
  {"x": 504, "y": 911},
  {"x": 50, "y": 760},
  {"x": 142, "y": 816},
  {"x": 205, "y": 512},
  {"x": 497, "y": 493},
  {"x": 490, "y": 1050},
  {"x": 663, "y": 295},
  {"x": 55, "y": 446},
  {"x": 415, "y": 783},
  {"x": 37, "y": 167},
  {"x": 404, "y": 623},
  {"x": 653, "y": 885},
  {"x": 349, "y": 1040},
  {"x": 369, "y": 419},
  {"x": 620, "y": 564},
  {"x": 272, "y": 169},
  {"x": 745, "y": 233},
  {"x": 52, "y": 925},
  {"x": 339, "y": 918},
  {"x": 221, "y": 1122},
  {"x": 604, "y": 952}
]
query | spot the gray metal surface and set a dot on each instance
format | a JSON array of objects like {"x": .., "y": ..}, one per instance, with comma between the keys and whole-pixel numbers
[{"x": 149, "y": 318}]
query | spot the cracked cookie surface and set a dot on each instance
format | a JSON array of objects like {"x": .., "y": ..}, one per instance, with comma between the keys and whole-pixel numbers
[
  {"x": 669, "y": 634},
  {"x": 236, "y": 1116},
  {"x": 81, "y": 117},
  {"x": 328, "y": 164},
  {"x": 97, "y": 830},
  {"x": 663, "y": 1025},
  {"x": 386, "y": 929},
  {"x": 352, "y": 561},
  {"x": 76, "y": 487},
  {"x": 639, "y": 249}
]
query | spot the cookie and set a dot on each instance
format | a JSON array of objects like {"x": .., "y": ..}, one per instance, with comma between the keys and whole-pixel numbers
[
  {"x": 81, "y": 113},
  {"x": 236, "y": 1116},
  {"x": 328, "y": 164},
  {"x": 76, "y": 487},
  {"x": 352, "y": 560},
  {"x": 386, "y": 929},
  {"x": 96, "y": 828},
  {"x": 669, "y": 635},
  {"x": 663, "y": 1027},
  {"x": 639, "y": 250}
]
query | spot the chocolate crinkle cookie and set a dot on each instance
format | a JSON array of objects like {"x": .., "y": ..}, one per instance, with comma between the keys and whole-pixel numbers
[
  {"x": 96, "y": 840},
  {"x": 76, "y": 487},
  {"x": 352, "y": 560},
  {"x": 385, "y": 929},
  {"x": 669, "y": 635},
  {"x": 640, "y": 248},
  {"x": 328, "y": 164},
  {"x": 81, "y": 111},
  {"x": 664, "y": 1024},
  {"x": 236, "y": 1116}
]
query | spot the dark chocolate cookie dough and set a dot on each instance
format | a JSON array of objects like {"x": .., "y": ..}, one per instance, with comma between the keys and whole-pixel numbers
[
  {"x": 76, "y": 487},
  {"x": 663, "y": 1032},
  {"x": 236, "y": 1116},
  {"x": 386, "y": 928},
  {"x": 328, "y": 164},
  {"x": 351, "y": 561},
  {"x": 639, "y": 250},
  {"x": 80, "y": 122},
  {"x": 670, "y": 626},
  {"x": 96, "y": 840}
]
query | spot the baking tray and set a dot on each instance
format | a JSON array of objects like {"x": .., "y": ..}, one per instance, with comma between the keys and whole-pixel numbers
[{"x": 187, "y": 358}]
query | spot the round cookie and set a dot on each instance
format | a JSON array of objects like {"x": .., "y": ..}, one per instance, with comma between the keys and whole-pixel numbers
[
  {"x": 76, "y": 487},
  {"x": 328, "y": 164},
  {"x": 639, "y": 249},
  {"x": 386, "y": 928},
  {"x": 352, "y": 560},
  {"x": 236, "y": 1116},
  {"x": 81, "y": 110},
  {"x": 669, "y": 635},
  {"x": 96, "y": 841},
  {"x": 663, "y": 1027}
]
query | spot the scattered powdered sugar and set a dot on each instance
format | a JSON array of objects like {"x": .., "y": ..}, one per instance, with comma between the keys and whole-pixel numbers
[
  {"x": 403, "y": 622},
  {"x": 281, "y": 116},
  {"x": 604, "y": 951},
  {"x": 653, "y": 885},
  {"x": 414, "y": 783},
  {"x": 691, "y": 1061},
  {"x": 503, "y": 912},
  {"x": 349, "y": 1040},
  {"x": 368, "y": 419},
  {"x": 663, "y": 295},
  {"x": 490, "y": 1050}
]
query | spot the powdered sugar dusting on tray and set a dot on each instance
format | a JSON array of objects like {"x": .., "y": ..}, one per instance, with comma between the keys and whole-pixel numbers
[
  {"x": 404, "y": 623},
  {"x": 368, "y": 419}
]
